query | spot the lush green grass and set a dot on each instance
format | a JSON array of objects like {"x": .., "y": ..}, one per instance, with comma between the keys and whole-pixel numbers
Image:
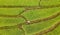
[
  {"x": 30, "y": 15},
  {"x": 40, "y": 13},
  {"x": 50, "y": 2},
  {"x": 31, "y": 29},
  {"x": 13, "y": 31},
  {"x": 19, "y": 2},
  {"x": 10, "y": 21},
  {"x": 11, "y": 11}
]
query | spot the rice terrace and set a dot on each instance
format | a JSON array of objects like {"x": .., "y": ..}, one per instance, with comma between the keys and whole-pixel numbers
[{"x": 29, "y": 17}]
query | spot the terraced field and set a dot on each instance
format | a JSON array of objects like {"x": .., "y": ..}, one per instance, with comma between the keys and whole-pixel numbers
[{"x": 29, "y": 17}]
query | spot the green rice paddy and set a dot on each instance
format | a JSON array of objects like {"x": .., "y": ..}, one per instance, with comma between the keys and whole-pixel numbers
[{"x": 32, "y": 14}]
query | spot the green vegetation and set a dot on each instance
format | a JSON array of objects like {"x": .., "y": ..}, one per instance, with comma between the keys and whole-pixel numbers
[{"x": 43, "y": 19}]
